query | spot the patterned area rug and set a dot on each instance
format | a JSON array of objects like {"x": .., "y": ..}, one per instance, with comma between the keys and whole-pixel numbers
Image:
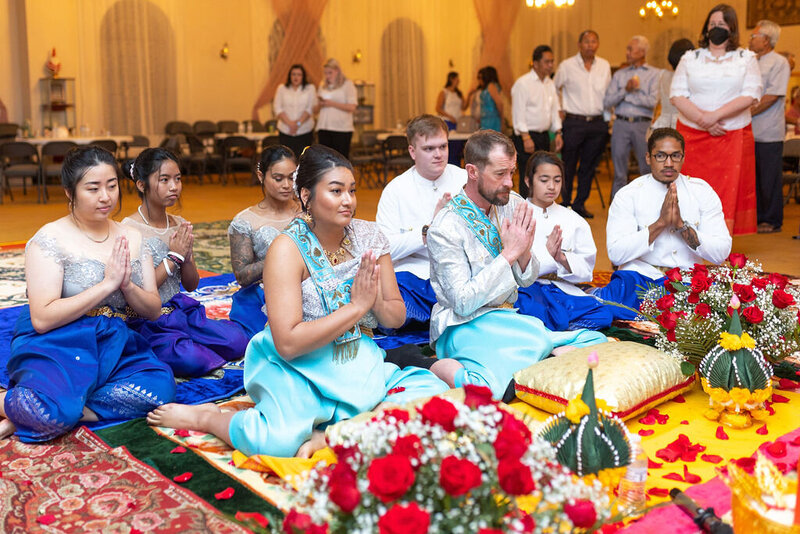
[{"x": 77, "y": 483}]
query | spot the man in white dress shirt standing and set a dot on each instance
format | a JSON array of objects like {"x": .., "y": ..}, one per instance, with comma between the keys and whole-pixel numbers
[
  {"x": 535, "y": 111},
  {"x": 408, "y": 204},
  {"x": 662, "y": 220},
  {"x": 582, "y": 81}
]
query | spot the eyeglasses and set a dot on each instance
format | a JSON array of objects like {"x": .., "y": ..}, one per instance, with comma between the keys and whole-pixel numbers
[
  {"x": 661, "y": 157},
  {"x": 754, "y": 35}
]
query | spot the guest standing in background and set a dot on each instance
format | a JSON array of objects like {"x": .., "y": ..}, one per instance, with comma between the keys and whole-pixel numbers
[
  {"x": 336, "y": 101},
  {"x": 793, "y": 113},
  {"x": 488, "y": 94},
  {"x": 535, "y": 111},
  {"x": 182, "y": 337},
  {"x": 252, "y": 231},
  {"x": 769, "y": 126},
  {"x": 450, "y": 103},
  {"x": 294, "y": 108},
  {"x": 582, "y": 81},
  {"x": 633, "y": 93},
  {"x": 713, "y": 89},
  {"x": 668, "y": 117}
]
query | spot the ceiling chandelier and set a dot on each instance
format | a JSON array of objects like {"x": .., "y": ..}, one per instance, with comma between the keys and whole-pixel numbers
[
  {"x": 543, "y": 3},
  {"x": 658, "y": 8}
]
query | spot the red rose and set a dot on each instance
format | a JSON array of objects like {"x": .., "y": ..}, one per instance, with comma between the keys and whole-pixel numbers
[
  {"x": 343, "y": 490},
  {"x": 668, "y": 286},
  {"x": 781, "y": 299},
  {"x": 400, "y": 415},
  {"x": 753, "y": 314},
  {"x": 515, "y": 477},
  {"x": 737, "y": 260},
  {"x": 665, "y": 302},
  {"x": 345, "y": 453},
  {"x": 528, "y": 523},
  {"x": 702, "y": 309},
  {"x": 458, "y": 476},
  {"x": 509, "y": 445},
  {"x": 490, "y": 531},
  {"x": 390, "y": 477},
  {"x": 744, "y": 292},
  {"x": 668, "y": 320},
  {"x": 671, "y": 336},
  {"x": 759, "y": 283},
  {"x": 700, "y": 282},
  {"x": 699, "y": 268},
  {"x": 409, "y": 446},
  {"x": 409, "y": 519},
  {"x": 582, "y": 513},
  {"x": 674, "y": 275},
  {"x": 439, "y": 412},
  {"x": 693, "y": 298},
  {"x": 477, "y": 396},
  {"x": 297, "y": 523},
  {"x": 512, "y": 423},
  {"x": 778, "y": 280}
]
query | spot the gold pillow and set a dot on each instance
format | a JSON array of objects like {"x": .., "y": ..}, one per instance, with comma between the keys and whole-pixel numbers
[{"x": 631, "y": 378}]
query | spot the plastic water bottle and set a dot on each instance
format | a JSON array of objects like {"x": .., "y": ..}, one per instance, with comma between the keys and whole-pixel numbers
[{"x": 632, "y": 498}]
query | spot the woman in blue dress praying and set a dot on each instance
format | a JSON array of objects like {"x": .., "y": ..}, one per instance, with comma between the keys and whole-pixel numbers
[
  {"x": 328, "y": 280},
  {"x": 72, "y": 357},
  {"x": 182, "y": 337}
]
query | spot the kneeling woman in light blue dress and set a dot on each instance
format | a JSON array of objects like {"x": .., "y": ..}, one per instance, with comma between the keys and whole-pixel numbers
[
  {"x": 328, "y": 279},
  {"x": 182, "y": 337},
  {"x": 73, "y": 358},
  {"x": 252, "y": 231}
]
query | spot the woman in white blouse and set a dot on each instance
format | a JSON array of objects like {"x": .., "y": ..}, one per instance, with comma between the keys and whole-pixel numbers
[
  {"x": 450, "y": 103},
  {"x": 713, "y": 89},
  {"x": 294, "y": 108},
  {"x": 336, "y": 102}
]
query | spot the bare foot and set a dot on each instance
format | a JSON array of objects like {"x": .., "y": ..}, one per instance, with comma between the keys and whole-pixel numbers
[
  {"x": 184, "y": 416},
  {"x": 446, "y": 370},
  {"x": 311, "y": 446},
  {"x": 563, "y": 349},
  {"x": 7, "y": 428}
]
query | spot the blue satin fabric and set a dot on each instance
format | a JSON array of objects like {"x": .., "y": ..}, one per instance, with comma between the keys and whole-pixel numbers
[
  {"x": 188, "y": 341},
  {"x": 562, "y": 311},
  {"x": 295, "y": 397},
  {"x": 418, "y": 296},
  {"x": 495, "y": 345},
  {"x": 246, "y": 307},
  {"x": 623, "y": 288},
  {"x": 97, "y": 362}
]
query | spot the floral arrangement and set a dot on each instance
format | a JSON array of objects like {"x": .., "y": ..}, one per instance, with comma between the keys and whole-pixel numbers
[
  {"x": 589, "y": 440},
  {"x": 447, "y": 466},
  {"x": 693, "y": 308}
]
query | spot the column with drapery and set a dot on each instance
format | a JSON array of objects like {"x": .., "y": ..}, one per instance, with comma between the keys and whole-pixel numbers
[
  {"x": 496, "y": 25},
  {"x": 300, "y": 20}
]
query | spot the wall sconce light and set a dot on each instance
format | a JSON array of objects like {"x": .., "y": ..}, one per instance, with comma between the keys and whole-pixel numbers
[
  {"x": 223, "y": 52},
  {"x": 357, "y": 56}
]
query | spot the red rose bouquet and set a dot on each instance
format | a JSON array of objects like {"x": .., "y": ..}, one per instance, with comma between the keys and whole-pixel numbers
[
  {"x": 447, "y": 466},
  {"x": 693, "y": 308}
]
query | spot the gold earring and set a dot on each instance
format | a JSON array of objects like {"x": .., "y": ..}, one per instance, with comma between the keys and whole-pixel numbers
[{"x": 308, "y": 218}]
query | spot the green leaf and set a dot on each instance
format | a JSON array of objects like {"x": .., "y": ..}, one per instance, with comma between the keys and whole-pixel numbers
[{"x": 687, "y": 368}]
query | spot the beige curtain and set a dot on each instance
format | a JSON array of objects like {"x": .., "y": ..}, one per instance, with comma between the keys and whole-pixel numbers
[
  {"x": 300, "y": 20},
  {"x": 402, "y": 81},
  {"x": 496, "y": 25}
]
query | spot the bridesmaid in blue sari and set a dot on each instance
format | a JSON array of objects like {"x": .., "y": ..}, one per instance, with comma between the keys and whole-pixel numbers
[
  {"x": 252, "y": 230},
  {"x": 328, "y": 280},
  {"x": 73, "y": 358},
  {"x": 182, "y": 337}
]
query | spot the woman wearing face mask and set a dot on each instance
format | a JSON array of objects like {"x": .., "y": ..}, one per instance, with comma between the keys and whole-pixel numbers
[
  {"x": 713, "y": 89},
  {"x": 182, "y": 337}
]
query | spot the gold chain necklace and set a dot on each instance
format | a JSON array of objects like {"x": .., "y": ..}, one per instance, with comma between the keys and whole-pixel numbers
[
  {"x": 337, "y": 256},
  {"x": 108, "y": 233}
]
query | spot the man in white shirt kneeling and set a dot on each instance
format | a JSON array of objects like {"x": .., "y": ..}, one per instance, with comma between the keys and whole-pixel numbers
[
  {"x": 407, "y": 206},
  {"x": 662, "y": 220}
]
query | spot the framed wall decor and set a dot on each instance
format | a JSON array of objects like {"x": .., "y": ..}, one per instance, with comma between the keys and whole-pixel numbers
[{"x": 782, "y": 12}]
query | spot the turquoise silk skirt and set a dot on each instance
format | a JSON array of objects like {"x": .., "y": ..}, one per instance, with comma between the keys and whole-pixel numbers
[
  {"x": 497, "y": 344},
  {"x": 312, "y": 391}
]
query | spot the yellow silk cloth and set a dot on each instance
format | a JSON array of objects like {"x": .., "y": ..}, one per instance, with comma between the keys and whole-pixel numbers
[
  {"x": 701, "y": 431},
  {"x": 285, "y": 468}
]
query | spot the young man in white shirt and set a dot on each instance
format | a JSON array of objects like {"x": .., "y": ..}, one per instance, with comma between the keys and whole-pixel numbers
[
  {"x": 407, "y": 206},
  {"x": 535, "y": 111},
  {"x": 582, "y": 81},
  {"x": 662, "y": 220}
]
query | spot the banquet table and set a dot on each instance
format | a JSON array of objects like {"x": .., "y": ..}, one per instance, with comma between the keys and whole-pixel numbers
[
  {"x": 39, "y": 141},
  {"x": 252, "y": 136}
]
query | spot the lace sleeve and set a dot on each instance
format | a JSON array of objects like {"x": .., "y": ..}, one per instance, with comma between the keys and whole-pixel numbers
[
  {"x": 680, "y": 79},
  {"x": 240, "y": 226},
  {"x": 49, "y": 246},
  {"x": 367, "y": 235}
]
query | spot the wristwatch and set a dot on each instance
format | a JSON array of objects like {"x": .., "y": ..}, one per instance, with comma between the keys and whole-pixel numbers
[{"x": 425, "y": 230}]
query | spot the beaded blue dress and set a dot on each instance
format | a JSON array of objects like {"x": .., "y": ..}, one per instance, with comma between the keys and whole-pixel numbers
[{"x": 95, "y": 362}]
